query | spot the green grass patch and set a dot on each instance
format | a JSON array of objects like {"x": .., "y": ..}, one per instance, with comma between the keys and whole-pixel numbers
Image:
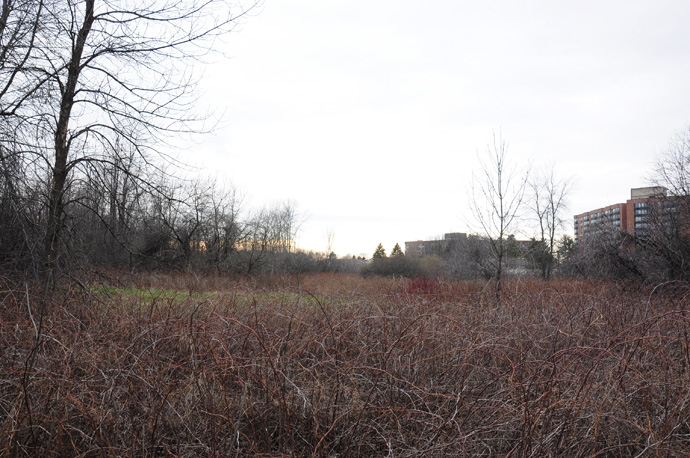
[
  {"x": 240, "y": 298},
  {"x": 139, "y": 294}
]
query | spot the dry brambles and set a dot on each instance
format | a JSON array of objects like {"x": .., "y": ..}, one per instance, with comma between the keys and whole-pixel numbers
[{"x": 344, "y": 366}]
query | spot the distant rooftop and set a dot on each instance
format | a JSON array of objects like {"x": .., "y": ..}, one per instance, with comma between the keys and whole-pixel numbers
[{"x": 644, "y": 193}]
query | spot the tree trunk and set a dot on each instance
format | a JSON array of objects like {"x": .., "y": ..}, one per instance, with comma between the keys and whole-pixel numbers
[{"x": 56, "y": 206}]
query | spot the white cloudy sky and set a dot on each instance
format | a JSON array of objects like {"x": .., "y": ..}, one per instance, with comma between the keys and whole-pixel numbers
[{"x": 368, "y": 115}]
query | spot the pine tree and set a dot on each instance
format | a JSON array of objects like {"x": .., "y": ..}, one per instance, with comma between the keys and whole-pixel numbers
[
  {"x": 397, "y": 251},
  {"x": 380, "y": 252}
]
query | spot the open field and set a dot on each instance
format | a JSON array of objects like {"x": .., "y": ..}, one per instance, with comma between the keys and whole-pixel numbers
[{"x": 183, "y": 365}]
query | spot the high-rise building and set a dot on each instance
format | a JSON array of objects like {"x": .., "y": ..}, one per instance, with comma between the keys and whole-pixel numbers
[{"x": 635, "y": 217}]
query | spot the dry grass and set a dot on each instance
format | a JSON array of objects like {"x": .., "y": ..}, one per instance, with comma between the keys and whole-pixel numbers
[{"x": 345, "y": 366}]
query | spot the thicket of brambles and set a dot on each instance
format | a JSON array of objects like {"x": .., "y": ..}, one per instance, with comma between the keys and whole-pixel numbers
[{"x": 346, "y": 366}]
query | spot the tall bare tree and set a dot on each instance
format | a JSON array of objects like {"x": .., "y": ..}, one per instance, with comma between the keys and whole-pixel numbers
[{"x": 497, "y": 194}]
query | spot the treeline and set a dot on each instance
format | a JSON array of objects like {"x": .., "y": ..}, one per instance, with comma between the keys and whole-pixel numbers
[
  {"x": 124, "y": 215},
  {"x": 607, "y": 253},
  {"x": 473, "y": 257}
]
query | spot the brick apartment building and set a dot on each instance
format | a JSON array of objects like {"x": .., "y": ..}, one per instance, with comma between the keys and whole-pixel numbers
[{"x": 633, "y": 217}]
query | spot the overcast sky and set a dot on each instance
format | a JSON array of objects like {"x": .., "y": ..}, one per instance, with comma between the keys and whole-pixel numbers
[{"x": 368, "y": 115}]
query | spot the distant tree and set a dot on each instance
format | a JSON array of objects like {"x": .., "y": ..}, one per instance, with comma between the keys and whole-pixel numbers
[
  {"x": 566, "y": 248},
  {"x": 222, "y": 228},
  {"x": 396, "y": 265},
  {"x": 548, "y": 201},
  {"x": 606, "y": 254},
  {"x": 497, "y": 194},
  {"x": 269, "y": 238},
  {"x": 379, "y": 253},
  {"x": 479, "y": 258},
  {"x": 330, "y": 240},
  {"x": 512, "y": 247},
  {"x": 539, "y": 256},
  {"x": 331, "y": 258}
]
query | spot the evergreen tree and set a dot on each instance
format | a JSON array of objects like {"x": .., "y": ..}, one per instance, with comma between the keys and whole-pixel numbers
[
  {"x": 512, "y": 247},
  {"x": 397, "y": 251},
  {"x": 380, "y": 252},
  {"x": 566, "y": 248}
]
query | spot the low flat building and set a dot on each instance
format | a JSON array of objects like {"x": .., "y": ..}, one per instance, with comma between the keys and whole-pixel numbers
[{"x": 421, "y": 248}]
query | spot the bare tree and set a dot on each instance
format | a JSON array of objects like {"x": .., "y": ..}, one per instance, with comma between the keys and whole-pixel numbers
[
  {"x": 548, "y": 201},
  {"x": 672, "y": 167},
  {"x": 183, "y": 215},
  {"x": 667, "y": 240},
  {"x": 88, "y": 74},
  {"x": 269, "y": 238},
  {"x": 497, "y": 194},
  {"x": 222, "y": 229}
]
